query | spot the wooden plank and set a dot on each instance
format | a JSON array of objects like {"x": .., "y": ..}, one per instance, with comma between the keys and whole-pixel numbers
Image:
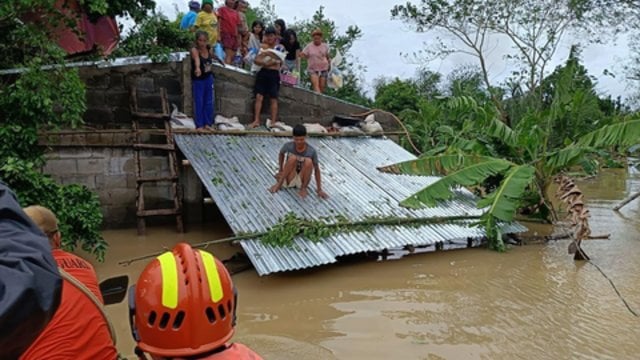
[
  {"x": 154, "y": 147},
  {"x": 158, "y": 212},
  {"x": 157, "y": 179}
]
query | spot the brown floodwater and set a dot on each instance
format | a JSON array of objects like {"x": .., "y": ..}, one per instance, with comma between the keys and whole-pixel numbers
[{"x": 533, "y": 302}]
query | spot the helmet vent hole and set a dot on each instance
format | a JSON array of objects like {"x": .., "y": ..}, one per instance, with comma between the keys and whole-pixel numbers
[
  {"x": 164, "y": 320},
  {"x": 210, "y": 315},
  {"x": 177, "y": 322},
  {"x": 222, "y": 311},
  {"x": 152, "y": 318}
]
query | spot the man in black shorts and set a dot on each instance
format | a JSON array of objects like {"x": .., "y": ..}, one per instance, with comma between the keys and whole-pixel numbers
[
  {"x": 301, "y": 160},
  {"x": 268, "y": 78}
]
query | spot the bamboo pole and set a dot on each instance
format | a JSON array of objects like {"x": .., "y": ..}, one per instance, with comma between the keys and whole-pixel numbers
[
  {"x": 372, "y": 222},
  {"x": 626, "y": 201}
]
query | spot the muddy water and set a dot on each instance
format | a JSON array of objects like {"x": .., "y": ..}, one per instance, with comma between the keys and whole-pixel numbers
[{"x": 534, "y": 302}]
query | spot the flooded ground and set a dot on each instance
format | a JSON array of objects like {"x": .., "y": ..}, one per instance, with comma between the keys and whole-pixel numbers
[{"x": 534, "y": 302}]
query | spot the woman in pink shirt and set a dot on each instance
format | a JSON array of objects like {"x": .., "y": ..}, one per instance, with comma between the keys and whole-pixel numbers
[{"x": 318, "y": 61}]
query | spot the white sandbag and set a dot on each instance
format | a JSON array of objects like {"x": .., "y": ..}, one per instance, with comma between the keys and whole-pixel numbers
[
  {"x": 373, "y": 127},
  {"x": 351, "y": 130},
  {"x": 230, "y": 127},
  {"x": 315, "y": 128},
  {"x": 370, "y": 118},
  {"x": 220, "y": 119},
  {"x": 179, "y": 120},
  {"x": 278, "y": 126}
]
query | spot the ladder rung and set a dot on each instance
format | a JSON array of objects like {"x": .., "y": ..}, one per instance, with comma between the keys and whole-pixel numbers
[
  {"x": 141, "y": 114},
  {"x": 158, "y": 212},
  {"x": 156, "y": 179},
  {"x": 155, "y": 146}
]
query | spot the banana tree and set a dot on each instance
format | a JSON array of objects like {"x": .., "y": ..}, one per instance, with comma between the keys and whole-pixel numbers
[{"x": 526, "y": 161}]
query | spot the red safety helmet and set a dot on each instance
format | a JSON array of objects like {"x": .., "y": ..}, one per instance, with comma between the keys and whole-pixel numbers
[{"x": 184, "y": 304}]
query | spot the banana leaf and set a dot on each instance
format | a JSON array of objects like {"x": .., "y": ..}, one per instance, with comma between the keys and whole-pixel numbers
[
  {"x": 441, "y": 189},
  {"x": 504, "y": 202},
  {"x": 434, "y": 165},
  {"x": 624, "y": 134}
]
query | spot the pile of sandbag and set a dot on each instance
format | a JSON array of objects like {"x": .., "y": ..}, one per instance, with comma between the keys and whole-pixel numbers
[
  {"x": 179, "y": 120},
  {"x": 224, "y": 123},
  {"x": 357, "y": 126}
]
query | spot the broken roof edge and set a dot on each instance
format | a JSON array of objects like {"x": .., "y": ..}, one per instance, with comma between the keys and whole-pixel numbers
[{"x": 304, "y": 253}]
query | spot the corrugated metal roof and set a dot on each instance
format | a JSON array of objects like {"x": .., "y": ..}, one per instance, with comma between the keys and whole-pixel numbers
[{"x": 238, "y": 170}]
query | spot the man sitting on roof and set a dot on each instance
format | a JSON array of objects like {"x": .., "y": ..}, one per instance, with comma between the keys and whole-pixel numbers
[{"x": 301, "y": 159}]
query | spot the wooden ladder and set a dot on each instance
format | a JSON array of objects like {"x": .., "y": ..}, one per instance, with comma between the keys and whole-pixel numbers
[{"x": 138, "y": 118}]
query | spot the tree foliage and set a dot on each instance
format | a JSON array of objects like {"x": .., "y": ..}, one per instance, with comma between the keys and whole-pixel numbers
[
  {"x": 45, "y": 94},
  {"x": 511, "y": 167},
  {"x": 155, "y": 36}
]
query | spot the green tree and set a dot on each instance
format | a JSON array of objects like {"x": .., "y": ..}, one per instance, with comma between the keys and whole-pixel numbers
[
  {"x": 533, "y": 28},
  {"x": 523, "y": 163},
  {"x": 155, "y": 36},
  {"x": 396, "y": 95},
  {"x": 45, "y": 94}
]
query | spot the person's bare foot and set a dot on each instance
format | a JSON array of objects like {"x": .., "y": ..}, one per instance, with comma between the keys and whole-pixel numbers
[
  {"x": 253, "y": 125},
  {"x": 275, "y": 188},
  {"x": 303, "y": 193}
]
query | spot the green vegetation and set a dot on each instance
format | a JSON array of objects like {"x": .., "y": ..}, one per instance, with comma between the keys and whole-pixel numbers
[
  {"x": 507, "y": 142},
  {"x": 290, "y": 226},
  {"x": 36, "y": 99}
]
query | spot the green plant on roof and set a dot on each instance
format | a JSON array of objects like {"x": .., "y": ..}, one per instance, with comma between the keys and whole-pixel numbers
[
  {"x": 290, "y": 226},
  {"x": 217, "y": 180}
]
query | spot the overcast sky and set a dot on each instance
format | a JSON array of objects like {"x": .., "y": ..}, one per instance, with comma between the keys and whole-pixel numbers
[{"x": 384, "y": 40}]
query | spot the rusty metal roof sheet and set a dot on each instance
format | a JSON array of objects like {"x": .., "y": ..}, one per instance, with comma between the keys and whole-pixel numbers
[{"x": 238, "y": 170}]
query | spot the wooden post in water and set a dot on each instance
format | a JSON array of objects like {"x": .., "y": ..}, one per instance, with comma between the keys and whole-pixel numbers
[{"x": 626, "y": 201}]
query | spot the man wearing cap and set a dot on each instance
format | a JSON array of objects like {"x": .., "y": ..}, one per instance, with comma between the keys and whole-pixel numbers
[
  {"x": 189, "y": 19},
  {"x": 78, "y": 329},
  {"x": 268, "y": 77}
]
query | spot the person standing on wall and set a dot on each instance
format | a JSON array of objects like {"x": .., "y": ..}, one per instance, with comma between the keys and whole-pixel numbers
[
  {"x": 202, "y": 82},
  {"x": 243, "y": 29},
  {"x": 268, "y": 77},
  {"x": 207, "y": 21},
  {"x": 189, "y": 19},
  {"x": 78, "y": 329},
  {"x": 291, "y": 44},
  {"x": 318, "y": 61},
  {"x": 229, "y": 34}
]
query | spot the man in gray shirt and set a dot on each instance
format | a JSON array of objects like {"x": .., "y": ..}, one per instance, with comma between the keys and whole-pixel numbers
[{"x": 301, "y": 160}]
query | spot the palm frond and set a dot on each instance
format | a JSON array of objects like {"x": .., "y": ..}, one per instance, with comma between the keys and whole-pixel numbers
[
  {"x": 621, "y": 134},
  {"x": 434, "y": 165},
  {"x": 467, "y": 176},
  {"x": 504, "y": 202}
]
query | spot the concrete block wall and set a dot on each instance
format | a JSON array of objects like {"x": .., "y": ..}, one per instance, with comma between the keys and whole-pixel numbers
[
  {"x": 108, "y": 89},
  {"x": 110, "y": 172}
]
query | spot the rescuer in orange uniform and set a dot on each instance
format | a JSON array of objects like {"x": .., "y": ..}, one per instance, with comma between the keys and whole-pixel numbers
[
  {"x": 184, "y": 306},
  {"x": 79, "y": 329}
]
